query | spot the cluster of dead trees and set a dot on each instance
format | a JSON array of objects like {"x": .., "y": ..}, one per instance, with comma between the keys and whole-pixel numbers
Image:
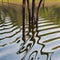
[{"x": 32, "y": 17}]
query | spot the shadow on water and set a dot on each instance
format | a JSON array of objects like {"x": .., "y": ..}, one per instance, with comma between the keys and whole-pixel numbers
[{"x": 42, "y": 46}]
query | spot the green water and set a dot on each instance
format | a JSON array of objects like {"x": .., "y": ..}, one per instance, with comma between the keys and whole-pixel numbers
[{"x": 45, "y": 46}]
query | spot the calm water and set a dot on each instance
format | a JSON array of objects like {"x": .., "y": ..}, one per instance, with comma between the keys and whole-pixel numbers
[{"x": 44, "y": 47}]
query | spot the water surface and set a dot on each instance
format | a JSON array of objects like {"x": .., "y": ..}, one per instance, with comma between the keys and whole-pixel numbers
[{"x": 45, "y": 46}]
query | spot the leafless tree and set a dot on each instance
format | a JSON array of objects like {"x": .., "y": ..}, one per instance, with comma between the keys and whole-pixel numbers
[
  {"x": 23, "y": 19},
  {"x": 37, "y": 14},
  {"x": 29, "y": 14},
  {"x": 33, "y": 10},
  {"x": 32, "y": 18}
]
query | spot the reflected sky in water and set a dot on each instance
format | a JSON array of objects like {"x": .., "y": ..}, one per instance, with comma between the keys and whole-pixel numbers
[{"x": 45, "y": 46}]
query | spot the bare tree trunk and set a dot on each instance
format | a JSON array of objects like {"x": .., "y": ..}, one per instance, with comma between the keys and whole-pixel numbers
[
  {"x": 37, "y": 14},
  {"x": 23, "y": 19},
  {"x": 33, "y": 7},
  {"x": 29, "y": 13}
]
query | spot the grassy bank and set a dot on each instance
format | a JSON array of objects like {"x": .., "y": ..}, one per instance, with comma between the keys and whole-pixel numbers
[
  {"x": 14, "y": 11},
  {"x": 47, "y": 2},
  {"x": 52, "y": 13}
]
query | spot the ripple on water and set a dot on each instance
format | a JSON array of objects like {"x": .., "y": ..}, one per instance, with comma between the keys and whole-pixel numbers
[{"x": 44, "y": 48}]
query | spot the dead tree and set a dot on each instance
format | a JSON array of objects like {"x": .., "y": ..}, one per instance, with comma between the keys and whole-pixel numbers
[
  {"x": 33, "y": 8},
  {"x": 29, "y": 14},
  {"x": 23, "y": 19},
  {"x": 37, "y": 14},
  {"x": 32, "y": 18}
]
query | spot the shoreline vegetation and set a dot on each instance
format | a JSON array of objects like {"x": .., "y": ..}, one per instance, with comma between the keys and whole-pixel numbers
[
  {"x": 19, "y": 2},
  {"x": 51, "y": 10}
]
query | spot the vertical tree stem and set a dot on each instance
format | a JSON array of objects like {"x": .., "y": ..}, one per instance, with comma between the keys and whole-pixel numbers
[
  {"x": 23, "y": 20},
  {"x": 37, "y": 14},
  {"x": 29, "y": 13},
  {"x": 33, "y": 7}
]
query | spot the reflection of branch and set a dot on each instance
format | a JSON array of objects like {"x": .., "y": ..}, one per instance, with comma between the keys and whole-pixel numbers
[
  {"x": 51, "y": 55},
  {"x": 26, "y": 47},
  {"x": 44, "y": 53},
  {"x": 32, "y": 54}
]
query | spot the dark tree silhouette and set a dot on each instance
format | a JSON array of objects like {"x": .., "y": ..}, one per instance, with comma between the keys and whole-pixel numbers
[
  {"x": 23, "y": 19},
  {"x": 32, "y": 19},
  {"x": 29, "y": 14},
  {"x": 33, "y": 8},
  {"x": 37, "y": 14}
]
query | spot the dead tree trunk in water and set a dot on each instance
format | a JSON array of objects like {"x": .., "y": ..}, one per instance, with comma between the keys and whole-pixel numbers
[
  {"x": 23, "y": 20},
  {"x": 37, "y": 14},
  {"x": 29, "y": 14},
  {"x": 33, "y": 7}
]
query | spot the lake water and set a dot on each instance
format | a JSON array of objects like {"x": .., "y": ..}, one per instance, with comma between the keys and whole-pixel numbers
[{"x": 44, "y": 47}]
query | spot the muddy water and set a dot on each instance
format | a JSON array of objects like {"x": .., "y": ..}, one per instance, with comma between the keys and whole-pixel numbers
[{"x": 45, "y": 46}]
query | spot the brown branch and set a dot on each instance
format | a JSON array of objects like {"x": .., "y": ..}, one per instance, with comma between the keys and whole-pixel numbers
[
  {"x": 33, "y": 7},
  {"x": 29, "y": 13},
  {"x": 37, "y": 14},
  {"x": 23, "y": 19}
]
